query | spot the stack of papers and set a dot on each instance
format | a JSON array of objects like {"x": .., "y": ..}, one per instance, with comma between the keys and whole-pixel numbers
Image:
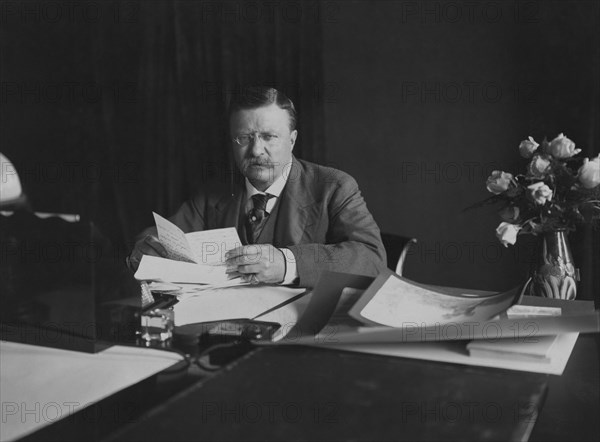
[
  {"x": 397, "y": 317},
  {"x": 247, "y": 302},
  {"x": 154, "y": 268}
]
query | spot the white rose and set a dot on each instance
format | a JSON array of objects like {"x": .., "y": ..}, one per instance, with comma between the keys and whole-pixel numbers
[
  {"x": 540, "y": 193},
  {"x": 498, "y": 182},
  {"x": 528, "y": 147},
  {"x": 507, "y": 233},
  {"x": 589, "y": 173},
  {"x": 562, "y": 147},
  {"x": 539, "y": 166}
]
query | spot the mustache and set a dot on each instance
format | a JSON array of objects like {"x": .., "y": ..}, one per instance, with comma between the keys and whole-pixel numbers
[{"x": 258, "y": 162}]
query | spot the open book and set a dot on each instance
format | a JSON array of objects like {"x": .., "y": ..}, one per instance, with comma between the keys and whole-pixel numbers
[{"x": 192, "y": 258}]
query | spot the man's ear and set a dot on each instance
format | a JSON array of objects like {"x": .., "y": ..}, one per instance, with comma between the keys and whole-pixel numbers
[{"x": 293, "y": 136}]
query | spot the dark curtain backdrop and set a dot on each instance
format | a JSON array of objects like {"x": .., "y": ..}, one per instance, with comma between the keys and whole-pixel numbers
[
  {"x": 433, "y": 153},
  {"x": 153, "y": 126},
  {"x": 189, "y": 59},
  {"x": 120, "y": 111}
]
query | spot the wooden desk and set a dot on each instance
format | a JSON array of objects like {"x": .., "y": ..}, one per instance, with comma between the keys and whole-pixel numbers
[
  {"x": 45, "y": 388},
  {"x": 305, "y": 393},
  {"x": 343, "y": 395},
  {"x": 572, "y": 405}
]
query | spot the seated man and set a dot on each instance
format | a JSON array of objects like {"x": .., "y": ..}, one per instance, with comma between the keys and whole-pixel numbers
[{"x": 300, "y": 217}]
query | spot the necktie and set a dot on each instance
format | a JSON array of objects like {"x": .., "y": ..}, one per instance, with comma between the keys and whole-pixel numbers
[{"x": 256, "y": 217}]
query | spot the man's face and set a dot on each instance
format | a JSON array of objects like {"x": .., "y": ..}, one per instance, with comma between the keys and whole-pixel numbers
[{"x": 267, "y": 143}]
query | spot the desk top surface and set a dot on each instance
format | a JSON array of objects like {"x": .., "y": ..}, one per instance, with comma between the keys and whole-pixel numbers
[
  {"x": 315, "y": 394},
  {"x": 302, "y": 393},
  {"x": 41, "y": 385}
]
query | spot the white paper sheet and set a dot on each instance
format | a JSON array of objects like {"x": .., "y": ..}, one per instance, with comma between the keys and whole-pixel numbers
[
  {"x": 154, "y": 268},
  {"x": 399, "y": 302},
  {"x": 210, "y": 246},
  {"x": 173, "y": 240},
  {"x": 207, "y": 247},
  {"x": 456, "y": 353},
  {"x": 231, "y": 303},
  {"x": 41, "y": 385}
]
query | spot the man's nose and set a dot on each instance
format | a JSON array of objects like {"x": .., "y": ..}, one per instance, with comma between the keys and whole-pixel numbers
[{"x": 257, "y": 145}]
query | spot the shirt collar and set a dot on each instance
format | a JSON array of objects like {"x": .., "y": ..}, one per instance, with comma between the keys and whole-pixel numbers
[{"x": 274, "y": 189}]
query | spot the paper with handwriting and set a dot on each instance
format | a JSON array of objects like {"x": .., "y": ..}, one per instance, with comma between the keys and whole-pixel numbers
[{"x": 206, "y": 247}]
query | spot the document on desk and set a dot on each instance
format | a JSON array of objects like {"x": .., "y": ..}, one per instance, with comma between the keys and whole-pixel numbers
[
  {"x": 465, "y": 324},
  {"x": 455, "y": 352},
  {"x": 207, "y": 247},
  {"x": 51, "y": 384},
  {"x": 192, "y": 258},
  {"x": 155, "y": 268},
  {"x": 245, "y": 302},
  {"x": 394, "y": 301}
]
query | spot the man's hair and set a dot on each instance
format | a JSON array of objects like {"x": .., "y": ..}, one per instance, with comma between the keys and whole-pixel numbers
[{"x": 252, "y": 97}]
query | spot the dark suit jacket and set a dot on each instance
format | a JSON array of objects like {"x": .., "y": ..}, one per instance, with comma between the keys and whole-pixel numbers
[{"x": 321, "y": 217}]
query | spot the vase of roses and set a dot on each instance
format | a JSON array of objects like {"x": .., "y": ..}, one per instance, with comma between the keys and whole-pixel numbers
[{"x": 557, "y": 193}]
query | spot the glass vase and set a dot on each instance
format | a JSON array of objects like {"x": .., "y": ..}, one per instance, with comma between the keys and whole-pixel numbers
[{"x": 553, "y": 274}]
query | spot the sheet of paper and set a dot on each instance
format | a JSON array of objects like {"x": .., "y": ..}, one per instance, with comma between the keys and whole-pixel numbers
[
  {"x": 209, "y": 246},
  {"x": 154, "y": 268},
  {"x": 523, "y": 349},
  {"x": 173, "y": 240},
  {"x": 53, "y": 383},
  {"x": 329, "y": 295},
  {"x": 517, "y": 328},
  {"x": 185, "y": 290},
  {"x": 517, "y": 311},
  {"x": 287, "y": 316},
  {"x": 456, "y": 353},
  {"x": 190, "y": 290},
  {"x": 231, "y": 303},
  {"x": 399, "y": 302}
]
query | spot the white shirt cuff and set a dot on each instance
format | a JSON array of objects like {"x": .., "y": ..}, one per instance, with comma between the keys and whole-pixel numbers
[{"x": 291, "y": 272}]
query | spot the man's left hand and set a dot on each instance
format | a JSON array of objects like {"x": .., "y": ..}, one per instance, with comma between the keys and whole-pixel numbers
[{"x": 258, "y": 263}]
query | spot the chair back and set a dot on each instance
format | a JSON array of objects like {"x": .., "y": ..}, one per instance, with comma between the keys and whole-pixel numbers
[{"x": 397, "y": 248}]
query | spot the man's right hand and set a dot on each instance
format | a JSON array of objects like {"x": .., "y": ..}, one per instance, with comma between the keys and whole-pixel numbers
[{"x": 149, "y": 245}]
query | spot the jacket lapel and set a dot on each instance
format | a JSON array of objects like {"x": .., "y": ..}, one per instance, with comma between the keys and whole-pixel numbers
[{"x": 295, "y": 210}]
